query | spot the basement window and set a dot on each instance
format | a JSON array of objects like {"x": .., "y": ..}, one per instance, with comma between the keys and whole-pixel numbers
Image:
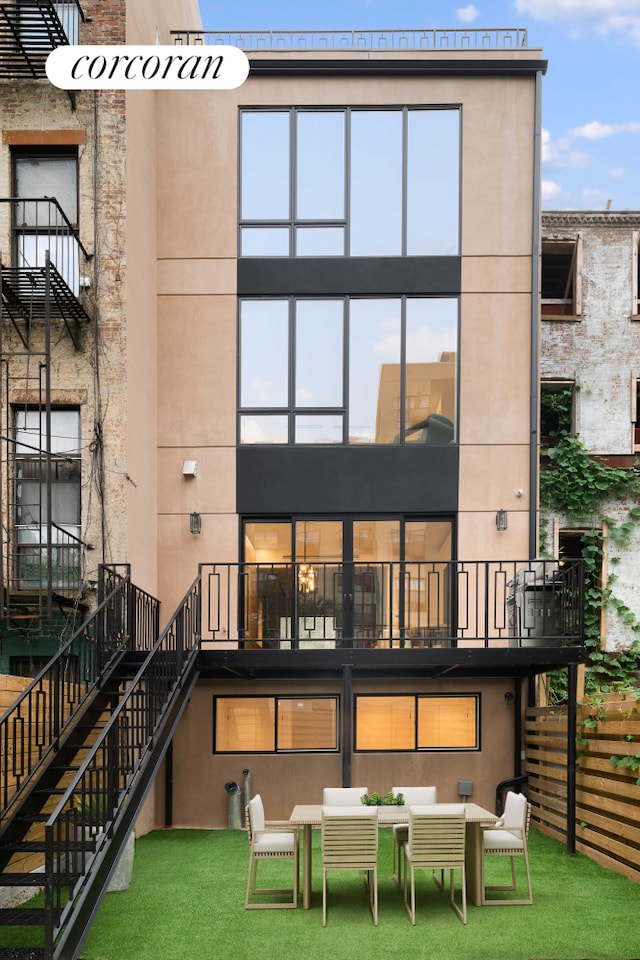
[{"x": 561, "y": 289}]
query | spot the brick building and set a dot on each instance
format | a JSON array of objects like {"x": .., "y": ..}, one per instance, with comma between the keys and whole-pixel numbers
[{"x": 590, "y": 350}]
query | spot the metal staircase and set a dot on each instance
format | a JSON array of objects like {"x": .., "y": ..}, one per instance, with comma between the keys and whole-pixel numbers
[{"x": 79, "y": 756}]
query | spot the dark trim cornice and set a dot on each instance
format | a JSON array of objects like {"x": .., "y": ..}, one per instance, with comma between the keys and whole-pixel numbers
[{"x": 381, "y": 67}]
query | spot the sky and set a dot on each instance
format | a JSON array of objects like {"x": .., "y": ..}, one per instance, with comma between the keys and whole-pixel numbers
[{"x": 591, "y": 102}]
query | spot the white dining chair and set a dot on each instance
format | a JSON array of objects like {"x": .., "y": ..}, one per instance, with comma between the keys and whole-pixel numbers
[
  {"x": 436, "y": 842},
  {"x": 508, "y": 838},
  {"x": 343, "y": 796},
  {"x": 350, "y": 842},
  {"x": 270, "y": 840},
  {"x": 401, "y": 830}
]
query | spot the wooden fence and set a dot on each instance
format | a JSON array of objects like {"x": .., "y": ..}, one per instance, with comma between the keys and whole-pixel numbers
[{"x": 607, "y": 799}]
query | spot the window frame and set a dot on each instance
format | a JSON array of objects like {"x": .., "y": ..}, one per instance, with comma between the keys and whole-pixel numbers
[
  {"x": 417, "y": 697},
  {"x": 563, "y": 308},
  {"x": 291, "y": 411},
  {"x": 293, "y": 223},
  {"x": 276, "y": 698}
]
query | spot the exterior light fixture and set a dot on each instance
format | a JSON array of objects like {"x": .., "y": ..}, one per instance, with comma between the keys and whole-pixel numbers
[
  {"x": 509, "y": 698},
  {"x": 195, "y": 522},
  {"x": 501, "y": 519}
]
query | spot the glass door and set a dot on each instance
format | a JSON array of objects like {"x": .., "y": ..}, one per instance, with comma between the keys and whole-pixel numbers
[{"x": 323, "y": 583}]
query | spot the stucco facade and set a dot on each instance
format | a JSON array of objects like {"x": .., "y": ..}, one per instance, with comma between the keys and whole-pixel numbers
[{"x": 156, "y": 381}]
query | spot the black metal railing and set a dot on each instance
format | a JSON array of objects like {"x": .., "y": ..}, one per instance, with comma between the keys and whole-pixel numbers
[
  {"x": 126, "y": 618},
  {"x": 40, "y": 563},
  {"x": 30, "y": 30},
  {"x": 81, "y": 827},
  {"x": 381, "y": 605},
  {"x": 298, "y": 40},
  {"x": 40, "y": 225}
]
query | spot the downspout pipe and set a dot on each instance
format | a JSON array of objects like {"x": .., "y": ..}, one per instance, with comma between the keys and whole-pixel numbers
[{"x": 534, "y": 456}]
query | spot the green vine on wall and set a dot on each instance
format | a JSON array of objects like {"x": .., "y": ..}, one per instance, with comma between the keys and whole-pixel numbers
[{"x": 578, "y": 486}]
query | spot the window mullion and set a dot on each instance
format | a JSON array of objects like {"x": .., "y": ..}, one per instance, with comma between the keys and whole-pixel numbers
[
  {"x": 292, "y": 370},
  {"x": 405, "y": 178},
  {"x": 293, "y": 179},
  {"x": 347, "y": 183}
]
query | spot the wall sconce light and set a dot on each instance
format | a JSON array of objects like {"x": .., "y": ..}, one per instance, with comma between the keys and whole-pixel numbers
[
  {"x": 509, "y": 698},
  {"x": 195, "y": 523},
  {"x": 501, "y": 519},
  {"x": 189, "y": 468}
]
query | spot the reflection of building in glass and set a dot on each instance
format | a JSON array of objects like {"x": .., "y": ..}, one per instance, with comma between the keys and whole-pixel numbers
[{"x": 429, "y": 389}]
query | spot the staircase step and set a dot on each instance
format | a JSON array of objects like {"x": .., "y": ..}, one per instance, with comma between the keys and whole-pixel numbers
[
  {"x": 34, "y": 879},
  {"x": 23, "y": 916},
  {"x": 21, "y": 953},
  {"x": 38, "y": 846},
  {"x": 22, "y": 879}
]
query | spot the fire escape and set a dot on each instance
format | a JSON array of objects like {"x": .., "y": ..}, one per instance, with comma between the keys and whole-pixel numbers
[
  {"x": 44, "y": 276},
  {"x": 30, "y": 30}
]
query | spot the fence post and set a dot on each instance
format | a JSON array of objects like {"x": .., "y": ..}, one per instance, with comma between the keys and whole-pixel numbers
[{"x": 572, "y": 688}]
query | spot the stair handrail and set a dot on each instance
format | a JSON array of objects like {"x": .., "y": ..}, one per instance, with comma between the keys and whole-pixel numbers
[
  {"x": 98, "y": 793},
  {"x": 33, "y": 726}
]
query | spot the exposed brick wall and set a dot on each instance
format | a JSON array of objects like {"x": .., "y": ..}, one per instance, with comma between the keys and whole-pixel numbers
[
  {"x": 94, "y": 377},
  {"x": 601, "y": 353}
]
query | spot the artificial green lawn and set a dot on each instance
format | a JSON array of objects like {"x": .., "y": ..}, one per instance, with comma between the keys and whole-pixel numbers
[{"x": 186, "y": 902}]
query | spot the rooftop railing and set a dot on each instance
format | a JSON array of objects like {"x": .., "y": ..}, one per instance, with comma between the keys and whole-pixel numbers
[{"x": 502, "y": 38}]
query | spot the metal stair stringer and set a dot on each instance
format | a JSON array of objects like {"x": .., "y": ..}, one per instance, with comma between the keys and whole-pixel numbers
[
  {"x": 94, "y": 888},
  {"x": 110, "y": 787}
]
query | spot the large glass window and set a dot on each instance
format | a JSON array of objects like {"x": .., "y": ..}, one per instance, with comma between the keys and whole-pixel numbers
[
  {"x": 351, "y": 181},
  {"x": 417, "y": 722},
  {"x": 353, "y": 370},
  {"x": 275, "y": 724}
]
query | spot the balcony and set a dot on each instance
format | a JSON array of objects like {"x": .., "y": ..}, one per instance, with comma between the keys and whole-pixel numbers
[
  {"x": 30, "y": 30},
  {"x": 316, "y": 606},
  {"x": 48, "y": 270},
  {"x": 283, "y": 41}
]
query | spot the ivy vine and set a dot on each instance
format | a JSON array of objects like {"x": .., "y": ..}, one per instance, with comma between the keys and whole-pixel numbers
[{"x": 578, "y": 486}]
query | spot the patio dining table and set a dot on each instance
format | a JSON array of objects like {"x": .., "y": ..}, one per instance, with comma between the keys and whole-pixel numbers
[{"x": 309, "y": 815}]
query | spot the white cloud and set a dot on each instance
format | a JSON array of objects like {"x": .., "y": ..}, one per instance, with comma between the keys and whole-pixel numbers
[
  {"x": 602, "y": 16},
  {"x": 550, "y": 191},
  {"x": 598, "y": 131},
  {"x": 577, "y": 9},
  {"x": 561, "y": 153},
  {"x": 616, "y": 172},
  {"x": 594, "y": 198},
  {"x": 467, "y": 14}
]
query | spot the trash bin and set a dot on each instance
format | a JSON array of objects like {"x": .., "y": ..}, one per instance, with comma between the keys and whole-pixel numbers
[{"x": 234, "y": 817}]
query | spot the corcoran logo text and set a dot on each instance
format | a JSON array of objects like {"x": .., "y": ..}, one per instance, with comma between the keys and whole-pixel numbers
[{"x": 147, "y": 68}]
